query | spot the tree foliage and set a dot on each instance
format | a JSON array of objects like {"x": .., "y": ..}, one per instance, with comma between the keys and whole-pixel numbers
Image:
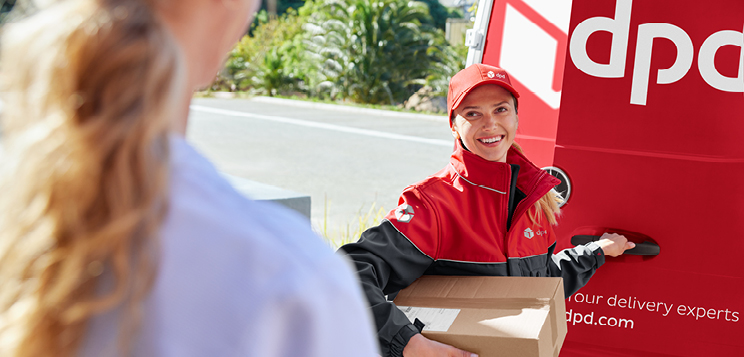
[
  {"x": 5, "y": 8},
  {"x": 269, "y": 60},
  {"x": 376, "y": 52},
  {"x": 439, "y": 13},
  {"x": 364, "y": 51}
]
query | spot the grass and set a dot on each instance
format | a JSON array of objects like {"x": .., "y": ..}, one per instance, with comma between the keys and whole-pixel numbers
[{"x": 350, "y": 232}]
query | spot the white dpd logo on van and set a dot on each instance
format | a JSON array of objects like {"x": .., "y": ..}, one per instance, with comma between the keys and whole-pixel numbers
[{"x": 619, "y": 27}]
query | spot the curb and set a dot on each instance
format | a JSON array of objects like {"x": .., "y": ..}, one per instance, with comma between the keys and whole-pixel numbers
[
  {"x": 345, "y": 108},
  {"x": 264, "y": 192}
]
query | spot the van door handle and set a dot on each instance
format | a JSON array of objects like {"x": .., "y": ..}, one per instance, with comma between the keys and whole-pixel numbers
[{"x": 645, "y": 248}]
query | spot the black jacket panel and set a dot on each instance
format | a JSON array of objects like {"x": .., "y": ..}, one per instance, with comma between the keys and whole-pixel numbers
[
  {"x": 387, "y": 262},
  {"x": 576, "y": 265}
]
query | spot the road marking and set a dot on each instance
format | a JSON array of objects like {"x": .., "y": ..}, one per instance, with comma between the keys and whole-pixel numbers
[
  {"x": 312, "y": 124},
  {"x": 349, "y": 109}
]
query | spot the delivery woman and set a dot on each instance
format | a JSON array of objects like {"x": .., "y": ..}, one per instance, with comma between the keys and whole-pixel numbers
[{"x": 488, "y": 212}]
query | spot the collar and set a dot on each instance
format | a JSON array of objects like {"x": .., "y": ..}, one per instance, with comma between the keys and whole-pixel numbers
[{"x": 497, "y": 175}]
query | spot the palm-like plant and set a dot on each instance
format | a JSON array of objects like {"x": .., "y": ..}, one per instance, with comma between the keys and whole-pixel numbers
[
  {"x": 270, "y": 59},
  {"x": 270, "y": 76},
  {"x": 376, "y": 52}
]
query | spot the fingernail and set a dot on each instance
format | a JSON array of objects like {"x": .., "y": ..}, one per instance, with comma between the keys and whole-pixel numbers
[{"x": 473, "y": 355}]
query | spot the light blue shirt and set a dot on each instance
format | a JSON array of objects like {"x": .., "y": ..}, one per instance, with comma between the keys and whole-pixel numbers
[{"x": 241, "y": 278}]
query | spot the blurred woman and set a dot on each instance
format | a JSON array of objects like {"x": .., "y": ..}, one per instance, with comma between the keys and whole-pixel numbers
[{"x": 116, "y": 236}]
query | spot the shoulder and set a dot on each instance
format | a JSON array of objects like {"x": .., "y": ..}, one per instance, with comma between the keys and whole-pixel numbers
[
  {"x": 429, "y": 188},
  {"x": 206, "y": 216},
  {"x": 235, "y": 266},
  {"x": 205, "y": 208},
  {"x": 417, "y": 216},
  {"x": 436, "y": 181},
  {"x": 259, "y": 281}
]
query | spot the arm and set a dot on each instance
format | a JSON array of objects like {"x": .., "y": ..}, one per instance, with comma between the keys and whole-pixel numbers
[
  {"x": 386, "y": 262},
  {"x": 576, "y": 265}
]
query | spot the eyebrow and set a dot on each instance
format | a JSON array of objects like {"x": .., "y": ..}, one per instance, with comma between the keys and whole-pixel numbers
[{"x": 477, "y": 107}]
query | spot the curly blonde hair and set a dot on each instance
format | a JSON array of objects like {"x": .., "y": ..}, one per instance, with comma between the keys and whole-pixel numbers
[{"x": 90, "y": 90}]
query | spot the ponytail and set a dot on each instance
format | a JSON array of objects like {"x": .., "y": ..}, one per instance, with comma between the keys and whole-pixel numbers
[
  {"x": 547, "y": 204},
  {"x": 91, "y": 86}
]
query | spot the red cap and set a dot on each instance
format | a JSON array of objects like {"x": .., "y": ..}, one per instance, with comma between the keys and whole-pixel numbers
[{"x": 469, "y": 78}]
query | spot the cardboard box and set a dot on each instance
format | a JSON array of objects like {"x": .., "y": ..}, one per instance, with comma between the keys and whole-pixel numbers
[{"x": 490, "y": 316}]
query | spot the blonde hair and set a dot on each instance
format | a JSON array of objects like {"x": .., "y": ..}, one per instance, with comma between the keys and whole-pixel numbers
[
  {"x": 91, "y": 86},
  {"x": 547, "y": 204}
]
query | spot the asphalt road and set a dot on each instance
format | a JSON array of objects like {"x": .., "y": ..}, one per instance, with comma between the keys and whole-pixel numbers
[{"x": 346, "y": 159}]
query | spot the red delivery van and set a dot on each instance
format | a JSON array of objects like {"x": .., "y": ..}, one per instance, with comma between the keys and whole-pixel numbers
[{"x": 648, "y": 140}]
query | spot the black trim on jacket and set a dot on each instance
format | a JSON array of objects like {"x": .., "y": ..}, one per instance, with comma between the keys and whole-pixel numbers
[{"x": 387, "y": 262}]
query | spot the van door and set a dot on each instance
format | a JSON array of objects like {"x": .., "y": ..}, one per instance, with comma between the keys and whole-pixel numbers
[{"x": 649, "y": 136}]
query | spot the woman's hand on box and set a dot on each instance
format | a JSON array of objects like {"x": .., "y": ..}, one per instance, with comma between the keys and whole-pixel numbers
[{"x": 420, "y": 346}]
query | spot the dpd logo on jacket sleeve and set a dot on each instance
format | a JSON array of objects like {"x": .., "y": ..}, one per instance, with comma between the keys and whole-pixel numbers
[{"x": 404, "y": 213}]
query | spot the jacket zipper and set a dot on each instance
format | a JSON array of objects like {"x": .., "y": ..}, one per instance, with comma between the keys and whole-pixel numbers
[
  {"x": 516, "y": 209},
  {"x": 506, "y": 218},
  {"x": 515, "y": 217}
]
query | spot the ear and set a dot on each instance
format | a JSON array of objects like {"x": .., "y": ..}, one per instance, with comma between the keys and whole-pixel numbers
[{"x": 455, "y": 133}]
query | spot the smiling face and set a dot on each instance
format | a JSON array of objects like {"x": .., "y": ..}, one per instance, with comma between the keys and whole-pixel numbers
[{"x": 486, "y": 121}]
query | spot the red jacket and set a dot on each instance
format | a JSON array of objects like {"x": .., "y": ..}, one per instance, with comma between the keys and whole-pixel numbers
[
  {"x": 470, "y": 218},
  {"x": 460, "y": 213}
]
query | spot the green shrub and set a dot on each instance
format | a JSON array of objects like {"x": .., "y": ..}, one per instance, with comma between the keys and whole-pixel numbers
[
  {"x": 354, "y": 50},
  {"x": 269, "y": 61},
  {"x": 376, "y": 52}
]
